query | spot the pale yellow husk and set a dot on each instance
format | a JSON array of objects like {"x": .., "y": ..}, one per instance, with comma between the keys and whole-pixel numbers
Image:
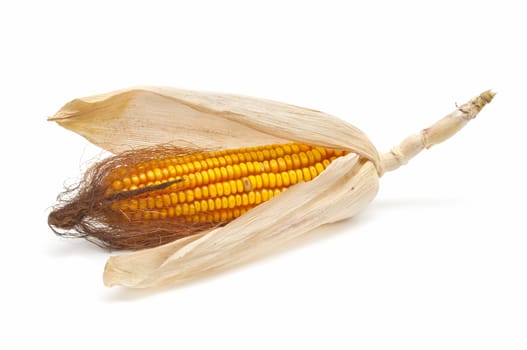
[{"x": 138, "y": 117}]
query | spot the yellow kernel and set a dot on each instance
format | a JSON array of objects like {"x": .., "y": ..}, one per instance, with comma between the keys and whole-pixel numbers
[
  {"x": 313, "y": 172},
  {"x": 250, "y": 168},
  {"x": 316, "y": 154},
  {"x": 239, "y": 186},
  {"x": 234, "y": 158},
  {"x": 286, "y": 148},
  {"x": 197, "y": 193},
  {"x": 191, "y": 209},
  {"x": 210, "y": 204},
  {"x": 226, "y": 188},
  {"x": 217, "y": 174},
  {"x": 230, "y": 171},
  {"x": 252, "y": 179},
  {"x": 259, "y": 156},
  {"x": 236, "y": 171},
  {"x": 310, "y": 157},
  {"x": 222, "y": 161},
  {"x": 171, "y": 171},
  {"x": 279, "y": 151},
  {"x": 277, "y": 191},
  {"x": 143, "y": 204},
  {"x": 243, "y": 169},
  {"x": 190, "y": 167},
  {"x": 307, "y": 174},
  {"x": 159, "y": 202},
  {"x": 223, "y": 215},
  {"x": 228, "y": 159},
  {"x": 245, "y": 199},
  {"x": 178, "y": 210},
  {"x": 238, "y": 200},
  {"x": 166, "y": 174},
  {"x": 205, "y": 177},
  {"x": 199, "y": 179},
  {"x": 224, "y": 202},
  {"x": 163, "y": 214},
  {"x": 224, "y": 174},
  {"x": 142, "y": 178},
  {"x": 326, "y": 163},
  {"x": 273, "y": 154},
  {"x": 281, "y": 164},
  {"x": 217, "y": 216},
  {"x": 150, "y": 202},
  {"x": 219, "y": 188},
  {"x": 236, "y": 213},
  {"x": 292, "y": 177},
  {"x": 181, "y": 197},
  {"x": 205, "y": 192},
  {"x": 319, "y": 167},
  {"x": 171, "y": 212},
  {"x": 212, "y": 190},
  {"x": 117, "y": 185},
  {"x": 265, "y": 195},
  {"x": 265, "y": 180},
  {"x": 217, "y": 203},
  {"x": 272, "y": 180},
  {"x": 166, "y": 200},
  {"x": 299, "y": 175},
  {"x": 150, "y": 175},
  {"x": 192, "y": 180},
  {"x": 204, "y": 205},
  {"x": 179, "y": 169},
  {"x": 231, "y": 201},
  {"x": 232, "y": 186},
  {"x": 127, "y": 182},
  {"x": 135, "y": 179},
  {"x": 147, "y": 215},
  {"x": 212, "y": 175},
  {"x": 189, "y": 196},
  {"x": 197, "y": 206},
  {"x": 288, "y": 161},
  {"x": 279, "y": 182},
  {"x": 285, "y": 178},
  {"x": 273, "y": 165},
  {"x": 295, "y": 148},
  {"x": 303, "y": 159},
  {"x": 173, "y": 198},
  {"x": 184, "y": 209},
  {"x": 296, "y": 161},
  {"x": 185, "y": 168},
  {"x": 197, "y": 165},
  {"x": 257, "y": 198},
  {"x": 251, "y": 197}
]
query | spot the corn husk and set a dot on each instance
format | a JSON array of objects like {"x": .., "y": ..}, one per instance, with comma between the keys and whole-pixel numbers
[{"x": 139, "y": 117}]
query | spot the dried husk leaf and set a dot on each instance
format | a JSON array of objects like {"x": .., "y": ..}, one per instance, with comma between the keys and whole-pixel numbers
[
  {"x": 147, "y": 116},
  {"x": 139, "y": 117}
]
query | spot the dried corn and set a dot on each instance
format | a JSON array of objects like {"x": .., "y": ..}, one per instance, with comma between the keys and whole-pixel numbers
[{"x": 323, "y": 169}]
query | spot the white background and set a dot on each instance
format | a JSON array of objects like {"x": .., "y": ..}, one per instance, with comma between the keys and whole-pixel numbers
[{"x": 438, "y": 261}]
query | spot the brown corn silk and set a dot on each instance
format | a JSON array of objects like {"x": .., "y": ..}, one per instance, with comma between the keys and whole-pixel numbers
[{"x": 199, "y": 121}]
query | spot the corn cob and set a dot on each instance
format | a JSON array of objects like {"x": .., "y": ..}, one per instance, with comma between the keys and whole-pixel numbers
[{"x": 216, "y": 186}]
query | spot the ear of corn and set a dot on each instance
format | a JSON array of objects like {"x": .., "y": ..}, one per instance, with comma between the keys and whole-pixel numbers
[
  {"x": 214, "y": 186},
  {"x": 337, "y": 189}
]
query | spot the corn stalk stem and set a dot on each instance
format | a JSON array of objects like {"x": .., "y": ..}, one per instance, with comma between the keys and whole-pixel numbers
[{"x": 435, "y": 134}]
